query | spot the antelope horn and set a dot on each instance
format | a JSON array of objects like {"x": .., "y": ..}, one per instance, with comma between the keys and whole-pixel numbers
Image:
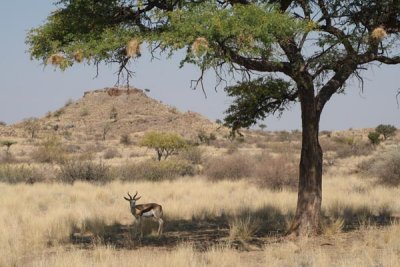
[
  {"x": 130, "y": 196},
  {"x": 135, "y": 195}
]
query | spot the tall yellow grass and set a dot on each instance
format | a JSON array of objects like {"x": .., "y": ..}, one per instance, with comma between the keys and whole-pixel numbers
[{"x": 36, "y": 222}]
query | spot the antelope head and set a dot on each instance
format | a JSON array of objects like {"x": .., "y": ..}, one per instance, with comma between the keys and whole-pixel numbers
[{"x": 132, "y": 200}]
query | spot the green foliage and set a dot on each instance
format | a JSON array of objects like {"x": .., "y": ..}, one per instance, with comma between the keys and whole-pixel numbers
[
  {"x": 155, "y": 170},
  {"x": 165, "y": 144},
  {"x": 100, "y": 30},
  {"x": 262, "y": 126},
  {"x": 254, "y": 100},
  {"x": 386, "y": 130},
  {"x": 373, "y": 137},
  {"x": 88, "y": 171}
]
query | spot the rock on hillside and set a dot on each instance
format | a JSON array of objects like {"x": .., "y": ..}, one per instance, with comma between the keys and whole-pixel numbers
[{"x": 121, "y": 111}]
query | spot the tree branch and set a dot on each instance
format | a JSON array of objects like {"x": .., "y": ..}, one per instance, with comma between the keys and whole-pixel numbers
[{"x": 256, "y": 64}]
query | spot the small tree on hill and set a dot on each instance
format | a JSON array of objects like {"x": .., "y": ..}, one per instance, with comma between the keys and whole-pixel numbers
[
  {"x": 8, "y": 144},
  {"x": 165, "y": 144},
  {"x": 374, "y": 138},
  {"x": 32, "y": 126},
  {"x": 386, "y": 130}
]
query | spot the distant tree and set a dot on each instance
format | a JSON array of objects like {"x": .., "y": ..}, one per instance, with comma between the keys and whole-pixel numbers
[
  {"x": 165, "y": 144},
  {"x": 125, "y": 139},
  {"x": 386, "y": 130},
  {"x": 374, "y": 138},
  {"x": 105, "y": 129},
  {"x": 262, "y": 126},
  {"x": 8, "y": 144},
  {"x": 113, "y": 114},
  {"x": 218, "y": 121},
  {"x": 31, "y": 126},
  {"x": 285, "y": 51}
]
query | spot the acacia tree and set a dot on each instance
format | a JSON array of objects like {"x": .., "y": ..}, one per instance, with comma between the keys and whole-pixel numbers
[{"x": 287, "y": 51}]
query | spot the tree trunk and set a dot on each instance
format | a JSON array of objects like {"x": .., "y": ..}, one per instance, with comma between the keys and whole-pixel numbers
[{"x": 307, "y": 218}]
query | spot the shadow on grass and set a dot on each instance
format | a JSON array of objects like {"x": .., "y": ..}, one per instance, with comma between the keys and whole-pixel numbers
[
  {"x": 208, "y": 231},
  {"x": 355, "y": 218},
  {"x": 202, "y": 233}
]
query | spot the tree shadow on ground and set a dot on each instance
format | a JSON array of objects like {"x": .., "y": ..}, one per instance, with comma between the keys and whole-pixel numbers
[
  {"x": 354, "y": 218},
  {"x": 201, "y": 233},
  {"x": 207, "y": 231}
]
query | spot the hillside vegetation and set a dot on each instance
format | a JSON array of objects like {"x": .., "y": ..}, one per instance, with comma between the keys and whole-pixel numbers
[{"x": 226, "y": 201}]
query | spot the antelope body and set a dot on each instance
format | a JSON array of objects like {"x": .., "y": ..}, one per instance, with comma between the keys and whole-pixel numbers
[{"x": 149, "y": 210}]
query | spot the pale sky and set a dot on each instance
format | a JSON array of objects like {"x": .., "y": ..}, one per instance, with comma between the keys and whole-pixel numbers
[{"x": 29, "y": 90}]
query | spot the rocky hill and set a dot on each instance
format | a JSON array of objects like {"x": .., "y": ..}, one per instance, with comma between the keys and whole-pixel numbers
[{"x": 116, "y": 111}]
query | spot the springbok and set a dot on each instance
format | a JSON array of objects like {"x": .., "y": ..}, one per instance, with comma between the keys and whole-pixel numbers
[{"x": 146, "y": 210}]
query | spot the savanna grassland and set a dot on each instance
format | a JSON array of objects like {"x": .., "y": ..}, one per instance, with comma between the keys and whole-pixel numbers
[{"x": 226, "y": 202}]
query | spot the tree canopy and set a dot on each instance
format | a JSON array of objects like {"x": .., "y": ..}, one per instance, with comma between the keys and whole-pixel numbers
[{"x": 278, "y": 52}]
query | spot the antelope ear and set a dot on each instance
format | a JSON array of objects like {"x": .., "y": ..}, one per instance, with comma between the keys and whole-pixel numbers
[
  {"x": 138, "y": 198},
  {"x": 127, "y": 199}
]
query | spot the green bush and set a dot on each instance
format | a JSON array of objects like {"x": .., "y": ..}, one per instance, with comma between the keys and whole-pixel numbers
[
  {"x": 386, "y": 130},
  {"x": 89, "y": 171},
  {"x": 165, "y": 144},
  {"x": 373, "y": 137},
  {"x": 155, "y": 170}
]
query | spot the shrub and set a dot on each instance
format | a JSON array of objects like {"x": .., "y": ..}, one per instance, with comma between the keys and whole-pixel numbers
[
  {"x": 10, "y": 173},
  {"x": 229, "y": 167},
  {"x": 386, "y": 167},
  {"x": 243, "y": 228},
  {"x": 113, "y": 114},
  {"x": 192, "y": 154},
  {"x": 155, "y": 170},
  {"x": 7, "y": 144},
  {"x": 278, "y": 172},
  {"x": 89, "y": 171},
  {"x": 125, "y": 139},
  {"x": 373, "y": 137},
  {"x": 49, "y": 151},
  {"x": 2, "y": 123},
  {"x": 111, "y": 153},
  {"x": 165, "y": 144},
  {"x": 346, "y": 146},
  {"x": 386, "y": 130},
  {"x": 84, "y": 112},
  {"x": 31, "y": 126},
  {"x": 205, "y": 138}
]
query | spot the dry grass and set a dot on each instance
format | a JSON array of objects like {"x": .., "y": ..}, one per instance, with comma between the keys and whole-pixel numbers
[{"x": 37, "y": 223}]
